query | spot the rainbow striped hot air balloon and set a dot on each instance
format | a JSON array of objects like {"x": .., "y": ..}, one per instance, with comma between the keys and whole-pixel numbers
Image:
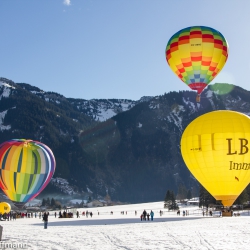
[
  {"x": 26, "y": 168},
  {"x": 196, "y": 55}
]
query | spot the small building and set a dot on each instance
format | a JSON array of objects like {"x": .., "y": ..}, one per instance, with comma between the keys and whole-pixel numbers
[
  {"x": 76, "y": 201},
  {"x": 34, "y": 202},
  {"x": 95, "y": 203},
  {"x": 193, "y": 202}
]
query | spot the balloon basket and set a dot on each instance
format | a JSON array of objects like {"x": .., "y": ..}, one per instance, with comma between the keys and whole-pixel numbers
[{"x": 227, "y": 214}]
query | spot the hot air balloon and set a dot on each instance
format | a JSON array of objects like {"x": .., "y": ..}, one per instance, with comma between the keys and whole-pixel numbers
[
  {"x": 215, "y": 148},
  {"x": 26, "y": 168},
  {"x": 4, "y": 207},
  {"x": 196, "y": 55}
]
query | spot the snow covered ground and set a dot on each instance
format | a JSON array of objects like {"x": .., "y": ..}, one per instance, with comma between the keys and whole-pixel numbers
[{"x": 118, "y": 231}]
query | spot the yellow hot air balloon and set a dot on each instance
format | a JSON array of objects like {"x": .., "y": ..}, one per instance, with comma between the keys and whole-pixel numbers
[
  {"x": 4, "y": 207},
  {"x": 216, "y": 149}
]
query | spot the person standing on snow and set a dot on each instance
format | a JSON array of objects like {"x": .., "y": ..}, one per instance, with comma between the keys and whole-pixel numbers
[
  {"x": 152, "y": 215},
  {"x": 144, "y": 214},
  {"x": 45, "y": 219}
]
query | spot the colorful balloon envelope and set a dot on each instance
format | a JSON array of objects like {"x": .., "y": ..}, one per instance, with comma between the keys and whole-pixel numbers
[
  {"x": 196, "y": 55},
  {"x": 26, "y": 168},
  {"x": 215, "y": 148},
  {"x": 5, "y": 207}
]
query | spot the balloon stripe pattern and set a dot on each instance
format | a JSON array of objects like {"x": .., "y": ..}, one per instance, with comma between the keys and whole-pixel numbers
[
  {"x": 26, "y": 168},
  {"x": 196, "y": 55}
]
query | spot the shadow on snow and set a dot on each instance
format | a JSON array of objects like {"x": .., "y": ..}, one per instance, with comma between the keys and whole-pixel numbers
[{"x": 93, "y": 222}]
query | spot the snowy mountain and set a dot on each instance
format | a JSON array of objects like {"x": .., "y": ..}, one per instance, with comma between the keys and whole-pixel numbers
[
  {"x": 134, "y": 156},
  {"x": 103, "y": 109},
  {"x": 98, "y": 109}
]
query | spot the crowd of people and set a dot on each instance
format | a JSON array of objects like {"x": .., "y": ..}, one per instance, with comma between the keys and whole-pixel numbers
[
  {"x": 64, "y": 214},
  {"x": 87, "y": 213},
  {"x": 184, "y": 212},
  {"x": 8, "y": 216},
  {"x": 145, "y": 215},
  {"x": 15, "y": 215},
  {"x": 45, "y": 217}
]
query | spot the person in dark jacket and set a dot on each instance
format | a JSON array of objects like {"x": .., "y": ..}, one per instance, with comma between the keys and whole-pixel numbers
[{"x": 45, "y": 220}]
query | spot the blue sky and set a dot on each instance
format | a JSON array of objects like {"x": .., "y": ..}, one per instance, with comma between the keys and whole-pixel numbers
[{"x": 113, "y": 48}]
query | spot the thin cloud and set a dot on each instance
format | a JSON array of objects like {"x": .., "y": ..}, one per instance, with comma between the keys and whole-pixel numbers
[{"x": 66, "y": 2}]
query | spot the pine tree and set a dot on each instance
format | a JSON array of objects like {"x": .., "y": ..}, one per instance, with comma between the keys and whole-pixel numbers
[
  {"x": 52, "y": 202},
  {"x": 242, "y": 198},
  {"x": 169, "y": 201},
  {"x": 43, "y": 202},
  {"x": 58, "y": 204},
  {"x": 89, "y": 199},
  {"x": 205, "y": 198},
  {"x": 48, "y": 202},
  {"x": 194, "y": 191},
  {"x": 174, "y": 205},
  {"x": 182, "y": 192},
  {"x": 189, "y": 194},
  {"x": 248, "y": 189}
]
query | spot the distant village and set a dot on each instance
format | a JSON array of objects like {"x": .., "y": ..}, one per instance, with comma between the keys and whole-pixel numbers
[{"x": 67, "y": 200}]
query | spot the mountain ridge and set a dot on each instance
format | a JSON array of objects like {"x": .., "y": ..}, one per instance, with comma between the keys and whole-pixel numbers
[{"x": 134, "y": 156}]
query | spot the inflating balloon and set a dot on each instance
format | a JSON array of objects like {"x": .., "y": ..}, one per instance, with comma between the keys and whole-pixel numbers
[
  {"x": 196, "y": 55},
  {"x": 4, "y": 207},
  {"x": 215, "y": 148},
  {"x": 26, "y": 168}
]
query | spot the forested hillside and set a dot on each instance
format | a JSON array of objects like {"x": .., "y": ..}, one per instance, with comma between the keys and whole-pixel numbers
[{"x": 133, "y": 156}]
